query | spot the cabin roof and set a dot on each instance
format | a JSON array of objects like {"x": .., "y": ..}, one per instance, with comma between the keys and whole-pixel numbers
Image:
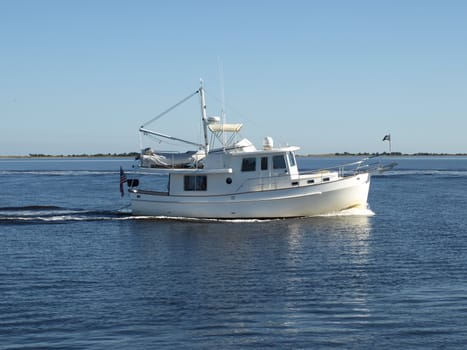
[
  {"x": 217, "y": 127},
  {"x": 263, "y": 152}
]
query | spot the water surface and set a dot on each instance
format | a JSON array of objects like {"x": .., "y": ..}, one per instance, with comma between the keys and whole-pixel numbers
[{"x": 77, "y": 272}]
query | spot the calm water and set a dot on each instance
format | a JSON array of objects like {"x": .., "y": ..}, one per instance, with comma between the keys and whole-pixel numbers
[{"x": 75, "y": 273}]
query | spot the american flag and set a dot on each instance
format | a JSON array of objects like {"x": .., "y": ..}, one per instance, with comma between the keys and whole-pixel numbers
[{"x": 122, "y": 181}]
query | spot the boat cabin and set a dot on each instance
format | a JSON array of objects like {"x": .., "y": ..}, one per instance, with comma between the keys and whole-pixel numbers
[{"x": 240, "y": 172}]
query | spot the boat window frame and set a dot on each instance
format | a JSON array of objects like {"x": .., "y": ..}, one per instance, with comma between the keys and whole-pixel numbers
[
  {"x": 195, "y": 183},
  {"x": 248, "y": 164},
  {"x": 279, "y": 162}
]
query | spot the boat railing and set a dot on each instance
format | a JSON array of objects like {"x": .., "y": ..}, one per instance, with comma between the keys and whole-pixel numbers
[
  {"x": 373, "y": 165},
  {"x": 370, "y": 164},
  {"x": 353, "y": 168}
]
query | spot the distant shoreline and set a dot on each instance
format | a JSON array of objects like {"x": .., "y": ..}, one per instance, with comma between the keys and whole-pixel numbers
[
  {"x": 72, "y": 156},
  {"x": 134, "y": 154},
  {"x": 386, "y": 154}
]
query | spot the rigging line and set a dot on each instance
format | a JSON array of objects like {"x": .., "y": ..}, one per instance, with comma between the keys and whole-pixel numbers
[
  {"x": 162, "y": 141},
  {"x": 170, "y": 109},
  {"x": 233, "y": 110}
]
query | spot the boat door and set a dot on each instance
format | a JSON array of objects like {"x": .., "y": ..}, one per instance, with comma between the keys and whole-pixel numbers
[
  {"x": 265, "y": 173},
  {"x": 271, "y": 168}
]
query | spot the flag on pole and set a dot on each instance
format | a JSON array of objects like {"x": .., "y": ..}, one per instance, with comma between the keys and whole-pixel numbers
[
  {"x": 387, "y": 137},
  {"x": 122, "y": 181}
]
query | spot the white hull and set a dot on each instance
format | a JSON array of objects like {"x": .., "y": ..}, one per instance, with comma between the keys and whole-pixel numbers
[{"x": 300, "y": 201}]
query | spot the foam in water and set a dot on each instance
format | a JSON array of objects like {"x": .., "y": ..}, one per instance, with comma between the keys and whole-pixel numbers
[
  {"x": 355, "y": 211},
  {"x": 190, "y": 219},
  {"x": 38, "y": 213},
  {"x": 58, "y": 214}
]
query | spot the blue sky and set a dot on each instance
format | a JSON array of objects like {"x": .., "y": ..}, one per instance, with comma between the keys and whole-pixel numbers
[{"x": 329, "y": 76}]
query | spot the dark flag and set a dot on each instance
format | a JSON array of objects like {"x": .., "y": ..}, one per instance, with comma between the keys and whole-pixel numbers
[
  {"x": 387, "y": 137},
  {"x": 122, "y": 181}
]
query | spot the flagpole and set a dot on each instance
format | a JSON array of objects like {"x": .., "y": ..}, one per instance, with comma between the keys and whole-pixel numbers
[
  {"x": 387, "y": 137},
  {"x": 123, "y": 179}
]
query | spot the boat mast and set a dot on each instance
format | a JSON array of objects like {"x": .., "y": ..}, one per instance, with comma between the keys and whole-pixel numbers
[
  {"x": 204, "y": 118},
  {"x": 221, "y": 82}
]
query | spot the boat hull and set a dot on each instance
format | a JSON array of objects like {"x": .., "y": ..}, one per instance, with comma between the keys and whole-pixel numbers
[{"x": 300, "y": 201}]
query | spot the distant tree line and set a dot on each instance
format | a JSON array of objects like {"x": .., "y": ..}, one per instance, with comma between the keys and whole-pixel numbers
[
  {"x": 84, "y": 155},
  {"x": 367, "y": 154},
  {"x": 399, "y": 154}
]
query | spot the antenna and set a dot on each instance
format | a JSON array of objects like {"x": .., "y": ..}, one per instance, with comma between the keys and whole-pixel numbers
[{"x": 221, "y": 82}]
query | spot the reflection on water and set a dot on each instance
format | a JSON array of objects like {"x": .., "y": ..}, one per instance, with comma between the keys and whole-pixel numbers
[
  {"x": 323, "y": 252},
  {"x": 308, "y": 275}
]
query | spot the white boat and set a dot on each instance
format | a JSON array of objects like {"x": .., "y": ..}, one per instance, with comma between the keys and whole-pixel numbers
[{"x": 237, "y": 180}]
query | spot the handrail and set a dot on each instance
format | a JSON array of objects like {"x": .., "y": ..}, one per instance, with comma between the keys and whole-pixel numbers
[
  {"x": 341, "y": 168},
  {"x": 361, "y": 166}
]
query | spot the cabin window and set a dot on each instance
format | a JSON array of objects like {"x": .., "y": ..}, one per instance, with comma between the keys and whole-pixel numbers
[
  {"x": 195, "y": 183},
  {"x": 249, "y": 164},
  {"x": 278, "y": 162},
  {"x": 291, "y": 157},
  {"x": 264, "y": 163}
]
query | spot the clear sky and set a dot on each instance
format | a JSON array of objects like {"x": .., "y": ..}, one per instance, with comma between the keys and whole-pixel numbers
[{"x": 329, "y": 76}]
